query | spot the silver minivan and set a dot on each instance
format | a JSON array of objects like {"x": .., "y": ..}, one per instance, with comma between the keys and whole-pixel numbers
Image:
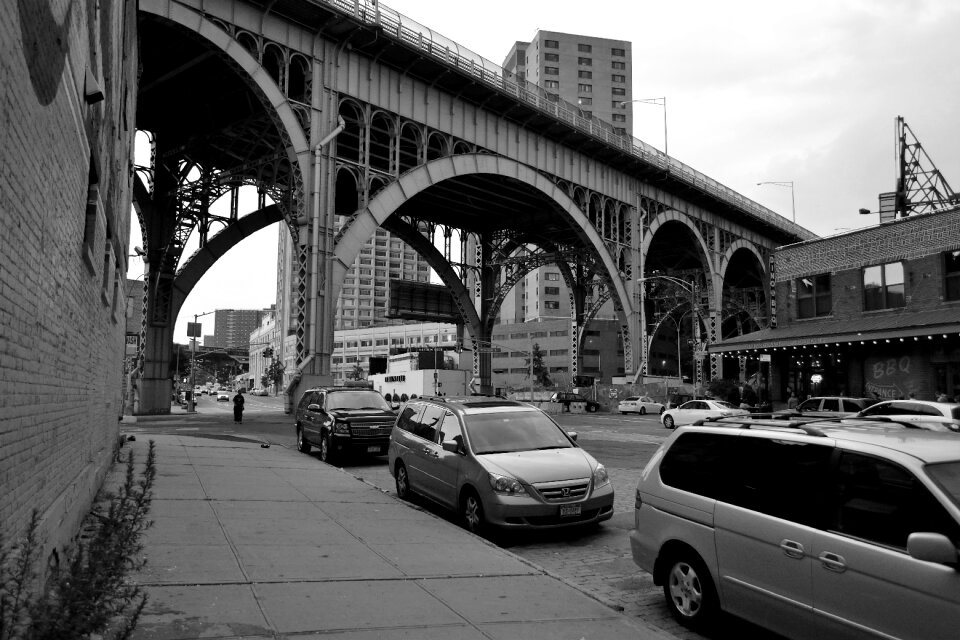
[
  {"x": 496, "y": 462},
  {"x": 812, "y": 529}
]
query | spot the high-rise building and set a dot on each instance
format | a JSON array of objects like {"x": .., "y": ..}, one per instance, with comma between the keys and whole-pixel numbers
[
  {"x": 592, "y": 73},
  {"x": 232, "y": 327},
  {"x": 595, "y": 74},
  {"x": 363, "y": 298}
]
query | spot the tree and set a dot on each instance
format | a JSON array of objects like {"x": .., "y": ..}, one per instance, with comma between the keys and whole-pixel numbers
[
  {"x": 357, "y": 373},
  {"x": 274, "y": 373},
  {"x": 541, "y": 375}
]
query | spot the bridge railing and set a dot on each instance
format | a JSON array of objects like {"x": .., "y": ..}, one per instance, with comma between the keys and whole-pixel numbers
[{"x": 436, "y": 46}]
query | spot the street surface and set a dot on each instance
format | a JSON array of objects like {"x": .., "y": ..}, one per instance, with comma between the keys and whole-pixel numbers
[{"x": 596, "y": 560}]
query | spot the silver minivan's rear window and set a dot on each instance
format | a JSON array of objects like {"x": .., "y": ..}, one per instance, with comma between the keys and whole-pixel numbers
[{"x": 947, "y": 476}]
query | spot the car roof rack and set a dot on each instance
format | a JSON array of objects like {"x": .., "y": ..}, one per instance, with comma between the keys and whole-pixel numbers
[{"x": 748, "y": 422}]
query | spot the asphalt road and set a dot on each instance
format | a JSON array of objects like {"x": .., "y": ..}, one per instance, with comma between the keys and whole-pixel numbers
[{"x": 596, "y": 560}]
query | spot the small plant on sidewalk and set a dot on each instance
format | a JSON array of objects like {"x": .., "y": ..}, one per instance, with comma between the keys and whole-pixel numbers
[{"x": 93, "y": 592}]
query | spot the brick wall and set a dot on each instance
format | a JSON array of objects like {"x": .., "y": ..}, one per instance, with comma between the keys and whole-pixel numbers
[{"x": 63, "y": 254}]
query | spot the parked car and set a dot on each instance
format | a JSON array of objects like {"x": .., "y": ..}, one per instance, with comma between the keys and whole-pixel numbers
[
  {"x": 498, "y": 463},
  {"x": 341, "y": 420},
  {"x": 829, "y": 407},
  {"x": 917, "y": 421},
  {"x": 823, "y": 530},
  {"x": 913, "y": 407},
  {"x": 566, "y": 397},
  {"x": 690, "y": 412},
  {"x": 223, "y": 396},
  {"x": 640, "y": 404}
]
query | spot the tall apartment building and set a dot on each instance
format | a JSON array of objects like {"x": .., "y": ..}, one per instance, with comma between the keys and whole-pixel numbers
[
  {"x": 363, "y": 299},
  {"x": 232, "y": 327},
  {"x": 593, "y": 73},
  {"x": 596, "y": 75}
]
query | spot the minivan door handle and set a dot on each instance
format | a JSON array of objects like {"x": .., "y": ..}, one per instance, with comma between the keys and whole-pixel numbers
[
  {"x": 430, "y": 451},
  {"x": 791, "y": 549},
  {"x": 833, "y": 562}
]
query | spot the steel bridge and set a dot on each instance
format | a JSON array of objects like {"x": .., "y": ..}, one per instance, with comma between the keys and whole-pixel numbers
[{"x": 347, "y": 116}]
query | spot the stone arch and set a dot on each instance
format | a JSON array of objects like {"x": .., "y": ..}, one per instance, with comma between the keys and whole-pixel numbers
[
  {"x": 438, "y": 145},
  {"x": 383, "y": 138},
  {"x": 365, "y": 222},
  {"x": 350, "y": 142},
  {"x": 274, "y": 62},
  {"x": 299, "y": 79},
  {"x": 740, "y": 244},
  {"x": 244, "y": 53},
  {"x": 672, "y": 215},
  {"x": 200, "y": 262},
  {"x": 409, "y": 146}
]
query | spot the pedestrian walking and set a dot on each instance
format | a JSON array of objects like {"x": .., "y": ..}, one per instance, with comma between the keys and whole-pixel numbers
[
  {"x": 238, "y": 407},
  {"x": 792, "y": 401}
]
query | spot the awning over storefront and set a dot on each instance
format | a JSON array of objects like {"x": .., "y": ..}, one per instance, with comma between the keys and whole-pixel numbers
[{"x": 885, "y": 326}]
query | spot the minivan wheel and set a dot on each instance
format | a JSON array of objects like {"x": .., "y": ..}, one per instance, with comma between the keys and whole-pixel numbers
[
  {"x": 403, "y": 482},
  {"x": 689, "y": 591},
  {"x": 471, "y": 510},
  {"x": 302, "y": 445},
  {"x": 668, "y": 422},
  {"x": 326, "y": 449}
]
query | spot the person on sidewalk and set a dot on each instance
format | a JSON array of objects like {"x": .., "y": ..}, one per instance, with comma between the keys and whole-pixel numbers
[{"x": 238, "y": 406}]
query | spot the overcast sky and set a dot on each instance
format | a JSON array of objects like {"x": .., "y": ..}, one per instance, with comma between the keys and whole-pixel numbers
[{"x": 803, "y": 91}]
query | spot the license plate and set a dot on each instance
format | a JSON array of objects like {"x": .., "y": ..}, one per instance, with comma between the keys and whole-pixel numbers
[
  {"x": 569, "y": 510},
  {"x": 373, "y": 449}
]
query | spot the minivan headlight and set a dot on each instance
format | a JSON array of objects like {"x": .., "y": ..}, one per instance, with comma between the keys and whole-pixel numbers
[
  {"x": 600, "y": 477},
  {"x": 505, "y": 484}
]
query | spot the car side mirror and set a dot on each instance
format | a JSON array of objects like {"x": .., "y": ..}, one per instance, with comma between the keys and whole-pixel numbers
[
  {"x": 932, "y": 547},
  {"x": 573, "y": 435},
  {"x": 313, "y": 407},
  {"x": 451, "y": 446}
]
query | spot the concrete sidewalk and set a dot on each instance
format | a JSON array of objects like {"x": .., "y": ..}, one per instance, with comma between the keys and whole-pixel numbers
[{"x": 252, "y": 542}]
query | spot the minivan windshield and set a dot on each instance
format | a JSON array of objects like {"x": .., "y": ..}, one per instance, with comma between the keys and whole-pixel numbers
[
  {"x": 356, "y": 400},
  {"x": 947, "y": 476},
  {"x": 513, "y": 431}
]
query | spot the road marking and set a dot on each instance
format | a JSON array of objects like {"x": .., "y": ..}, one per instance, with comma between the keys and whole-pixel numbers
[{"x": 620, "y": 437}]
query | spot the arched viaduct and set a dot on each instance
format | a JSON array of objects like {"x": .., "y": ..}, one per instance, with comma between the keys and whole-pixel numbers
[{"x": 348, "y": 117}]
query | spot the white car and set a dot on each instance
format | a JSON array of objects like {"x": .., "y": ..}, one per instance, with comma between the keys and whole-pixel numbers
[
  {"x": 223, "y": 396},
  {"x": 913, "y": 407},
  {"x": 693, "y": 410},
  {"x": 640, "y": 404}
]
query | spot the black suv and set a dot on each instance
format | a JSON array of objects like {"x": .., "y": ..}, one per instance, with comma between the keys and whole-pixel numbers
[{"x": 339, "y": 420}]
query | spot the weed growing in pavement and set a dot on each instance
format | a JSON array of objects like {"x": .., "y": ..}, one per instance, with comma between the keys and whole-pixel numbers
[{"x": 93, "y": 594}]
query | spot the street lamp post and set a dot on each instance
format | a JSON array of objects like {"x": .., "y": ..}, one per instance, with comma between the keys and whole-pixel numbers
[
  {"x": 662, "y": 102},
  {"x": 793, "y": 201},
  {"x": 195, "y": 332}
]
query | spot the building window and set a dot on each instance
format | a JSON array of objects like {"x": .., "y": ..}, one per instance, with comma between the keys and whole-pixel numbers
[
  {"x": 585, "y": 74},
  {"x": 618, "y": 91},
  {"x": 951, "y": 275},
  {"x": 619, "y": 117},
  {"x": 551, "y": 84},
  {"x": 551, "y": 291},
  {"x": 551, "y": 304},
  {"x": 618, "y": 65},
  {"x": 551, "y": 57},
  {"x": 552, "y": 276},
  {"x": 551, "y": 44},
  {"x": 585, "y": 101},
  {"x": 814, "y": 296},
  {"x": 585, "y": 88},
  {"x": 551, "y": 71},
  {"x": 586, "y": 114},
  {"x": 586, "y": 62},
  {"x": 616, "y": 77},
  {"x": 584, "y": 48},
  {"x": 618, "y": 52},
  {"x": 620, "y": 131},
  {"x": 619, "y": 104},
  {"x": 883, "y": 286}
]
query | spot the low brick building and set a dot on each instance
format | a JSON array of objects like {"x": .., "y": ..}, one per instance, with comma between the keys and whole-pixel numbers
[
  {"x": 875, "y": 313},
  {"x": 69, "y": 78}
]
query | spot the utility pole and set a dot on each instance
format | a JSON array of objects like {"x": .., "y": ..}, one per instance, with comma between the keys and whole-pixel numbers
[{"x": 194, "y": 331}]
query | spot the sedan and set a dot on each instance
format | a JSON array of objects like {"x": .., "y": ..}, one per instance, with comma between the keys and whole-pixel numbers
[
  {"x": 690, "y": 412},
  {"x": 223, "y": 396},
  {"x": 640, "y": 404}
]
